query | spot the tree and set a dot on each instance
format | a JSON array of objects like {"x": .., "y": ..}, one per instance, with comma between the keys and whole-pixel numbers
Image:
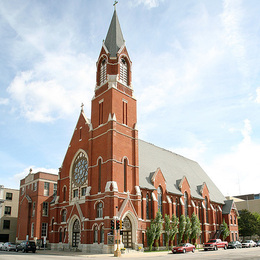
[
  {"x": 224, "y": 230},
  {"x": 182, "y": 226},
  {"x": 257, "y": 218},
  {"x": 158, "y": 221},
  {"x": 247, "y": 223},
  {"x": 187, "y": 231},
  {"x": 195, "y": 228},
  {"x": 167, "y": 228},
  {"x": 150, "y": 234},
  {"x": 174, "y": 228}
]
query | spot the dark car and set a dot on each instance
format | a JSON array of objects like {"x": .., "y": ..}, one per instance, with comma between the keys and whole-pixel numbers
[
  {"x": 183, "y": 248},
  {"x": 26, "y": 246},
  {"x": 258, "y": 243},
  {"x": 234, "y": 244}
]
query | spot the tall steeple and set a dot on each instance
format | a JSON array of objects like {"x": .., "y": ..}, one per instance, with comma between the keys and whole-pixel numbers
[{"x": 114, "y": 40}]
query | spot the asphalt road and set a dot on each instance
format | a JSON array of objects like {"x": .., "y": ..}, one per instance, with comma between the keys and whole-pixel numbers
[{"x": 245, "y": 253}]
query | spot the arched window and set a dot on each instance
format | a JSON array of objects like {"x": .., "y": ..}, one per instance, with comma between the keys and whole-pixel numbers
[
  {"x": 202, "y": 213},
  {"x": 95, "y": 234},
  {"x": 63, "y": 215},
  {"x": 207, "y": 213},
  {"x": 125, "y": 174},
  {"x": 177, "y": 208},
  {"x": 159, "y": 192},
  {"x": 123, "y": 71},
  {"x": 180, "y": 207},
  {"x": 99, "y": 210},
  {"x": 103, "y": 71},
  {"x": 147, "y": 206},
  {"x": 142, "y": 205},
  {"x": 99, "y": 175},
  {"x": 216, "y": 216},
  {"x": 186, "y": 204},
  {"x": 102, "y": 235},
  {"x": 52, "y": 224},
  {"x": 60, "y": 235},
  {"x": 151, "y": 207},
  {"x": 64, "y": 193}
]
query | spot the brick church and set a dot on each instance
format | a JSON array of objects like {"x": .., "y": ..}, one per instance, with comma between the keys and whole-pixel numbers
[{"x": 108, "y": 173}]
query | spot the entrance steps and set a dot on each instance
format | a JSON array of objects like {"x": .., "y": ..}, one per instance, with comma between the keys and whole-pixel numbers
[{"x": 131, "y": 251}]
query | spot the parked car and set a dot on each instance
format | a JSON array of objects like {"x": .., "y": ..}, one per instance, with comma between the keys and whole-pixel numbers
[
  {"x": 249, "y": 243},
  {"x": 1, "y": 245},
  {"x": 26, "y": 246},
  {"x": 8, "y": 246},
  {"x": 215, "y": 244},
  {"x": 183, "y": 248},
  {"x": 258, "y": 243},
  {"x": 234, "y": 244}
]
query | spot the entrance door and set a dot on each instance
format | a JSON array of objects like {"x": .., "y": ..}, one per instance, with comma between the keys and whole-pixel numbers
[
  {"x": 76, "y": 233},
  {"x": 127, "y": 233}
]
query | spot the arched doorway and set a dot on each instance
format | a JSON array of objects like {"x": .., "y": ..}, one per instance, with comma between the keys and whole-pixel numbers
[
  {"x": 76, "y": 233},
  {"x": 127, "y": 233}
]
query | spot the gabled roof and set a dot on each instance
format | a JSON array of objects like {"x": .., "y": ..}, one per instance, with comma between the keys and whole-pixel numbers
[
  {"x": 174, "y": 167},
  {"x": 114, "y": 40}
]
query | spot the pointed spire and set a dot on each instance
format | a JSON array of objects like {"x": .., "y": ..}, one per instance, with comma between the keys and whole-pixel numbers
[{"x": 114, "y": 40}]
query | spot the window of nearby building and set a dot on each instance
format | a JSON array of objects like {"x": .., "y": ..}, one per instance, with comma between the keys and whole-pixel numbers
[
  {"x": 99, "y": 210},
  {"x": 103, "y": 71},
  {"x": 6, "y": 224},
  {"x": 45, "y": 209},
  {"x": 46, "y": 189},
  {"x": 22, "y": 190},
  {"x": 63, "y": 215},
  {"x": 257, "y": 196},
  {"x": 34, "y": 186},
  {"x": 159, "y": 193},
  {"x": 102, "y": 235},
  {"x": 147, "y": 206},
  {"x": 75, "y": 193},
  {"x": 83, "y": 191},
  {"x": 7, "y": 210},
  {"x": 33, "y": 209},
  {"x": 186, "y": 204},
  {"x": 54, "y": 189},
  {"x": 123, "y": 71},
  {"x": 44, "y": 229},
  {"x": 32, "y": 230},
  {"x": 95, "y": 234},
  {"x": 9, "y": 196}
]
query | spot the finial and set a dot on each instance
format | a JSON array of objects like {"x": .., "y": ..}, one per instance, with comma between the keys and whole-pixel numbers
[
  {"x": 115, "y": 3},
  {"x": 30, "y": 171},
  {"x": 82, "y": 105}
]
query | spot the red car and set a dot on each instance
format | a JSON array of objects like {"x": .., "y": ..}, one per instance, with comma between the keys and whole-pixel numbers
[{"x": 183, "y": 248}]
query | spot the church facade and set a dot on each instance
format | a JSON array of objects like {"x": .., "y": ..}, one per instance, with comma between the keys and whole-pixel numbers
[{"x": 109, "y": 174}]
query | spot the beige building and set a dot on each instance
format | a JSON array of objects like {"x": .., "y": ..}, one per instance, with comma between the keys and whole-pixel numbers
[
  {"x": 9, "y": 199},
  {"x": 250, "y": 202}
]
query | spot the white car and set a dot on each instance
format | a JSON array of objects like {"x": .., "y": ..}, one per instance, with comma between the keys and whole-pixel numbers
[
  {"x": 1, "y": 245},
  {"x": 249, "y": 243}
]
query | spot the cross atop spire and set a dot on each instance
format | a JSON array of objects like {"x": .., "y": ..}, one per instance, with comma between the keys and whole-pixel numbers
[{"x": 115, "y": 3}]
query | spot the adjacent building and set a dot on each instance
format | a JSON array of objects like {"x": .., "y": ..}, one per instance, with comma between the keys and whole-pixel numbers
[
  {"x": 37, "y": 190},
  {"x": 8, "y": 213}
]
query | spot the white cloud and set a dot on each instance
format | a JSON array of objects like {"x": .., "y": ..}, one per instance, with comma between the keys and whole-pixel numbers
[
  {"x": 4, "y": 101},
  {"x": 54, "y": 88},
  {"x": 258, "y": 95},
  {"x": 148, "y": 3},
  {"x": 238, "y": 170}
]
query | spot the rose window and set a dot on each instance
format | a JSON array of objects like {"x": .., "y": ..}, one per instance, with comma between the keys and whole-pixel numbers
[{"x": 80, "y": 170}]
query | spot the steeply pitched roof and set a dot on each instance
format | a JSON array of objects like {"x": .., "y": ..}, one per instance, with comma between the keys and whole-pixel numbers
[
  {"x": 174, "y": 167},
  {"x": 114, "y": 40}
]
